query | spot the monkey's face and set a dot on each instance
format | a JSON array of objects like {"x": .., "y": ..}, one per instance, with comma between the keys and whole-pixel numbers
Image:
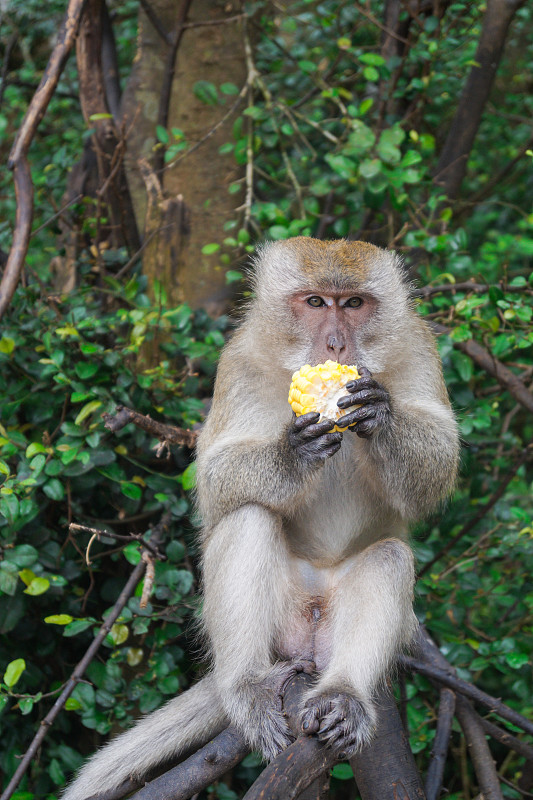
[{"x": 332, "y": 322}]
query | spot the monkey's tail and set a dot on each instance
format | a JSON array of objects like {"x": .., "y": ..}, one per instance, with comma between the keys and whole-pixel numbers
[{"x": 185, "y": 723}]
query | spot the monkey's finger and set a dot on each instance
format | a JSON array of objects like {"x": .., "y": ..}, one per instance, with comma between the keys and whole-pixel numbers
[
  {"x": 306, "y": 419},
  {"x": 361, "y": 413},
  {"x": 315, "y": 431},
  {"x": 361, "y": 396},
  {"x": 366, "y": 428},
  {"x": 364, "y": 372},
  {"x": 362, "y": 383}
]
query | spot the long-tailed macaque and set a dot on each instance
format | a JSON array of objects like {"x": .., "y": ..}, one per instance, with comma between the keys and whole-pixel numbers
[{"x": 305, "y": 560}]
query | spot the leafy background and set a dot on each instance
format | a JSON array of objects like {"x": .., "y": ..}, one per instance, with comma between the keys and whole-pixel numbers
[{"x": 344, "y": 141}]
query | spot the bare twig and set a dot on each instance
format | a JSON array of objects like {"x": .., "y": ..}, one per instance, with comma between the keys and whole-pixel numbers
[
  {"x": 127, "y": 591},
  {"x": 166, "y": 433}
]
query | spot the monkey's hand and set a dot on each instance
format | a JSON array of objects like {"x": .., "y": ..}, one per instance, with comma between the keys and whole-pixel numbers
[
  {"x": 374, "y": 405},
  {"x": 311, "y": 440},
  {"x": 340, "y": 720}
]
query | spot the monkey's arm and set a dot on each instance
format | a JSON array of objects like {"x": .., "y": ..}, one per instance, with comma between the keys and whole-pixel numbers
[
  {"x": 412, "y": 438},
  {"x": 237, "y": 469}
]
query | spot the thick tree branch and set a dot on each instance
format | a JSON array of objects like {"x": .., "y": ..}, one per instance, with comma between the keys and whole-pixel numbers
[
  {"x": 109, "y": 150},
  {"x": 487, "y": 777},
  {"x": 386, "y": 769},
  {"x": 18, "y": 161},
  {"x": 208, "y": 764}
]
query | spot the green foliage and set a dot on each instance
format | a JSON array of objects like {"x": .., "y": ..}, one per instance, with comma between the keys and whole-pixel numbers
[
  {"x": 338, "y": 139},
  {"x": 69, "y": 360}
]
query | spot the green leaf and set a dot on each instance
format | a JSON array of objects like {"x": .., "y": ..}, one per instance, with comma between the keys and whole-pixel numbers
[
  {"x": 131, "y": 490},
  {"x": 229, "y": 88},
  {"x": 188, "y": 477},
  {"x": 13, "y": 672},
  {"x": 86, "y": 369},
  {"x": 162, "y": 134},
  {"x": 77, "y": 626},
  {"x": 34, "y": 448},
  {"x": 132, "y": 553},
  {"x": 7, "y": 345},
  {"x": 26, "y": 704},
  {"x": 9, "y": 507},
  {"x": 209, "y": 249},
  {"x": 54, "y": 489},
  {"x": 206, "y": 92},
  {"x": 37, "y": 586},
  {"x": 342, "y": 772},
  {"x": 516, "y": 660},
  {"x": 87, "y": 410},
  {"x": 59, "y": 619},
  {"x": 232, "y": 276}
]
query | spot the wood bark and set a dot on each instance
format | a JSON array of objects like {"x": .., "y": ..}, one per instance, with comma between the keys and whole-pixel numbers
[
  {"x": 200, "y": 181},
  {"x": 386, "y": 769}
]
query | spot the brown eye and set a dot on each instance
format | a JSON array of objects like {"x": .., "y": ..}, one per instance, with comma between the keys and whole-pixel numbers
[
  {"x": 353, "y": 302},
  {"x": 315, "y": 301}
]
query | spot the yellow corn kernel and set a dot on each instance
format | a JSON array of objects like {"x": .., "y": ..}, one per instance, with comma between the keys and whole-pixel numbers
[{"x": 318, "y": 389}]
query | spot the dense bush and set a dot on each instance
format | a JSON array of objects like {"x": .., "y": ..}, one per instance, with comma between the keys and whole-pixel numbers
[{"x": 341, "y": 141}]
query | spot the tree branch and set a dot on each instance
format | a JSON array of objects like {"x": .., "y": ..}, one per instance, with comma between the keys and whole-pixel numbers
[
  {"x": 165, "y": 433},
  {"x": 18, "y": 161},
  {"x": 484, "y": 359},
  {"x": 439, "y": 750},
  {"x": 487, "y": 777}
]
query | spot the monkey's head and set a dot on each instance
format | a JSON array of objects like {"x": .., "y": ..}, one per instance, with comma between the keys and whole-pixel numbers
[{"x": 346, "y": 301}]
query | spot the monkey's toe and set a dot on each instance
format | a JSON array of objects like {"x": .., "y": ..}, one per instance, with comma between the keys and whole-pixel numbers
[{"x": 341, "y": 721}]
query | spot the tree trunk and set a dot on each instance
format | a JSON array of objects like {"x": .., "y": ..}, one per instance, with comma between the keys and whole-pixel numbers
[{"x": 200, "y": 181}]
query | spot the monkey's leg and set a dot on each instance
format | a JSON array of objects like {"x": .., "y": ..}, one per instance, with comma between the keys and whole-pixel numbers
[
  {"x": 247, "y": 596},
  {"x": 371, "y": 619}
]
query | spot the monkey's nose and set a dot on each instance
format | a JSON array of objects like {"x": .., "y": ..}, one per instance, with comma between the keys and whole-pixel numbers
[{"x": 337, "y": 345}]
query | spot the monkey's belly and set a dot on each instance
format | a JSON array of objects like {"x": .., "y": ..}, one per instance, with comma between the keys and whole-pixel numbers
[{"x": 306, "y": 634}]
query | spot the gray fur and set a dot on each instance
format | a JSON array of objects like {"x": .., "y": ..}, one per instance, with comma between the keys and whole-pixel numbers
[{"x": 304, "y": 548}]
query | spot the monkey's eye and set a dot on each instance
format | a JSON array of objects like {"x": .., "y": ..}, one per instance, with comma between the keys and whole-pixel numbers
[
  {"x": 353, "y": 302},
  {"x": 315, "y": 301}
]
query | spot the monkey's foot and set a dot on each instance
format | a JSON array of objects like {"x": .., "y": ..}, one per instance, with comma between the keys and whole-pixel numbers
[
  {"x": 340, "y": 720},
  {"x": 256, "y": 707}
]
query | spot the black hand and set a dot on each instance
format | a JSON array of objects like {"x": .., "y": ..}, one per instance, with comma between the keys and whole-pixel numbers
[
  {"x": 313, "y": 440},
  {"x": 374, "y": 405}
]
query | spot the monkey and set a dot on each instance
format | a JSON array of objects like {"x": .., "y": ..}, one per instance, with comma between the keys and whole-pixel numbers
[{"x": 305, "y": 557}]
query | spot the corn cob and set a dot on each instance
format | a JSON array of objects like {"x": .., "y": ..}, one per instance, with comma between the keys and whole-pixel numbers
[{"x": 318, "y": 389}]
